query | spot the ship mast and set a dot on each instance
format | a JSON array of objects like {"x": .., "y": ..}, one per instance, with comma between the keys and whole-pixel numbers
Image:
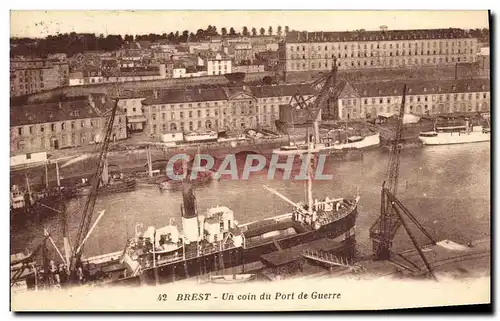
[{"x": 309, "y": 179}]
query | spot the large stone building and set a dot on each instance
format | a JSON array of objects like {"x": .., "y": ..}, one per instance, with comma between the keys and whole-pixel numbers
[
  {"x": 70, "y": 122},
  {"x": 369, "y": 99},
  {"x": 218, "y": 108},
  {"x": 28, "y": 76},
  {"x": 305, "y": 51}
]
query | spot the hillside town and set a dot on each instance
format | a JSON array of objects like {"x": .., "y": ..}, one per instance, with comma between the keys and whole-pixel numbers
[
  {"x": 242, "y": 79},
  {"x": 119, "y": 125}
]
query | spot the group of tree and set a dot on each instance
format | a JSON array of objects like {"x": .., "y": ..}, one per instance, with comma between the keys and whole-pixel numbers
[
  {"x": 69, "y": 44},
  {"x": 73, "y": 43}
]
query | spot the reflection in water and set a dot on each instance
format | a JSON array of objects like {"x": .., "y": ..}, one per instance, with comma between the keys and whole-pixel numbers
[{"x": 446, "y": 187}]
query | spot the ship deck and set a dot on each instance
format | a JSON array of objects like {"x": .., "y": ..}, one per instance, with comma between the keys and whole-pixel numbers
[{"x": 292, "y": 254}]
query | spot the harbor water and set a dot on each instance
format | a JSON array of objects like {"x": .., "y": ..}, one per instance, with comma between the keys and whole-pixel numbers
[{"x": 447, "y": 188}]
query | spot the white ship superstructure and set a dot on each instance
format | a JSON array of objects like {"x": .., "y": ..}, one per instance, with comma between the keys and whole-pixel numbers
[{"x": 456, "y": 135}]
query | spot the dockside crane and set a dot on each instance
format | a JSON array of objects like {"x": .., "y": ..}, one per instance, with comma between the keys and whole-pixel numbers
[
  {"x": 88, "y": 210},
  {"x": 324, "y": 85},
  {"x": 392, "y": 210}
]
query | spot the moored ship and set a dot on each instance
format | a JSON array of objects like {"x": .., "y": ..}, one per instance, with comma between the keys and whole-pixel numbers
[
  {"x": 447, "y": 135},
  {"x": 214, "y": 241}
]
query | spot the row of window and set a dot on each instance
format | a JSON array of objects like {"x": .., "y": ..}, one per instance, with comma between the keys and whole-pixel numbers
[
  {"x": 244, "y": 123},
  {"x": 35, "y": 129},
  {"x": 243, "y": 110},
  {"x": 378, "y": 54},
  {"x": 371, "y": 62},
  {"x": 216, "y": 103},
  {"x": 384, "y": 45},
  {"x": 418, "y": 109},
  {"x": 441, "y": 108},
  {"x": 442, "y": 97}
]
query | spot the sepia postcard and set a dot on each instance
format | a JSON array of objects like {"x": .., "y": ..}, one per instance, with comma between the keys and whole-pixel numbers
[{"x": 249, "y": 160}]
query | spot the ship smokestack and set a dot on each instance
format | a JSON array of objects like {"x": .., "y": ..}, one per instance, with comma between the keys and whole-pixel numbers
[
  {"x": 188, "y": 200},
  {"x": 189, "y": 216}
]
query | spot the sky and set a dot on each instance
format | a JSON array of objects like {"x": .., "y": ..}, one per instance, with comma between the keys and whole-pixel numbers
[{"x": 43, "y": 23}]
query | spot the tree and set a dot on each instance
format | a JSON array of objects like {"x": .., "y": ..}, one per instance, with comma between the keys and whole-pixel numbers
[
  {"x": 208, "y": 31},
  {"x": 245, "y": 31},
  {"x": 200, "y": 34},
  {"x": 262, "y": 31},
  {"x": 192, "y": 36},
  {"x": 171, "y": 37},
  {"x": 279, "y": 31},
  {"x": 270, "y": 30},
  {"x": 232, "y": 32},
  {"x": 287, "y": 29},
  {"x": 254, "y": 31},
  {"x": 185, "y": 36},
  {"x": 223, "y": 32},
  {"x": 129, "y": 38},
  {"x": 176, "y": 37}
]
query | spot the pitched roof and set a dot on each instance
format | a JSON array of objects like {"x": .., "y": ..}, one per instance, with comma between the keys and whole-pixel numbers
[
  {"x": 216, "y": 93},
  {"x": 361, "y": 35},
  {"x": 421, "y": 87},
  {"x": 186, "y": 95},
  {"x": 53, "y": 111},
  {"x": 282, "y": 90}
]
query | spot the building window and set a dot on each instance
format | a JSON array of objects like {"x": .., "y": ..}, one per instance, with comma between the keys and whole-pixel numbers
[
  {"x": 53, "y": 127},
  {"x": 19, "y": 131},
  {"x": 181, "y": 115}
]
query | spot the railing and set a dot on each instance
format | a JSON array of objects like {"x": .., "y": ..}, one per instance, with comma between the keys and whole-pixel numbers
[
  {"x": 336, "y": 216},
  {"x": 327, "y": 258}
]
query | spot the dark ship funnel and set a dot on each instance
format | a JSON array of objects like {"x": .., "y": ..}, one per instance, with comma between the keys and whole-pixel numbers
[{"x": 188, "y": 200}]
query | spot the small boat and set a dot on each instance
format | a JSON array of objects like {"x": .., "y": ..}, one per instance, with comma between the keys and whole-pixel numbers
[
  {"x": 232, "y": 278},
  {"x": 17, "y": 198},
  {"x": 170, "y": 184},
  {"x": 115, "y": 185}
]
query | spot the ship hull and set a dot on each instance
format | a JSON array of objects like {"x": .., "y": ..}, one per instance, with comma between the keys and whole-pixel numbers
[
  {"x": 341, "y": 231},
  {"x": 456, "y": 138},
  {"x": 121, "y": 187},
  {"x": 367, "y": 142}
]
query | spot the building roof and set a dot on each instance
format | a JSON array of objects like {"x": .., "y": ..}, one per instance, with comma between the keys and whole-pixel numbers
[
  {"x": 186, "y": 95},
  {"x": 361, "y": 35},
  {"x": 217, "y": 93},
  {"x": 67, "y": 108},
  {"x": 281, "y": 90},
  {"x": 421, "y": 87},
  {"x": 131, "y": 94}
]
